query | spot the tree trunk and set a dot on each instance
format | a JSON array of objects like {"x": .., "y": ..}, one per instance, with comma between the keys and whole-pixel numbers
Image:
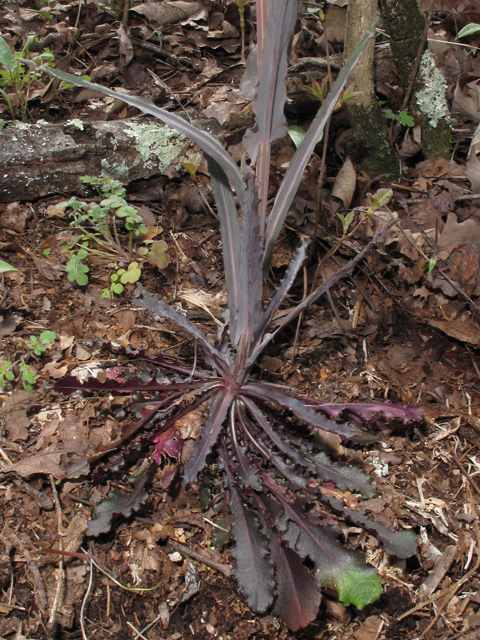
[
  {"x": 405, "y": 24},
  {"x": 370, "y": 133}
]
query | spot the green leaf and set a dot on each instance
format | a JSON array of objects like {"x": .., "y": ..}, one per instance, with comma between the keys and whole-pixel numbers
[
  {"x": 6, "y": 56},
  {"x": 106, "y": 295},
  {"x": 406, "y": 120},
  {"x": 468, "y": 30},
  {"x": 158, "y": 254},
  {"x": 117, "y": 288},
  {"x": 432, "y": 263},
  {"x": 4, "y": 267},
  {"x": 297, "y": 134},
  {"x": 359, "y": 587},
  {"x": 132, "y": 274},
  {"x": 47, "y": 337}
]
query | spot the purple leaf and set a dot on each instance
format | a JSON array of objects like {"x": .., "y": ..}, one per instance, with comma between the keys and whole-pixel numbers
[
  {"x": 246, "y": 468},
  {"x": 208, "y": 143},
  {"x": 281, "y": 291},
  {"x": 250, "y": 291},
  {"x": 370, "y": 414},
  {"x": 271, "y": 394},
  {"x": 118, "y": 504},
  {"x": 344, "y": 476},
  {"x": 163, "y": 310},
  {"x": 211, "y": 430},
  {"x": 68, "y": 384},
  {"x": 254, "y": 570},
  {"x": 298, "y": 593},
  {"x": 294, "y": 173},
  {"x": 333, "y": 564},
  {"x": 167, "y": 443},
  {"x": 271, "y": 93},
  {"x": 402, "y": 544},
  {"x": 230, "y": 233}
]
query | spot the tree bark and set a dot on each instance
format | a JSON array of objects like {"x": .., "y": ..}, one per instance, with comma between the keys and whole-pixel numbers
[
  {"x": 405, "y": 24},
  {"x": 370, "y": 133},
  {"x": 44, "y": 159}
]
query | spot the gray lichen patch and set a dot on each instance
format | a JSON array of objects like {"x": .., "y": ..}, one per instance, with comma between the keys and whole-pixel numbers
[
  {"x": 431, "y": 98},
  {"x": 115, "y": 171},
  {"x": 158, "y": 140},
  {"x": 75, "y": 123}
]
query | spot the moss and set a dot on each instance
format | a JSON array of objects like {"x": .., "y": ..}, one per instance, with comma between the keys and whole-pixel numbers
[
  {"x": 405, "y": 24},
  {"x": 437, "y": 141},
  {"x": 372, "y": 146}
]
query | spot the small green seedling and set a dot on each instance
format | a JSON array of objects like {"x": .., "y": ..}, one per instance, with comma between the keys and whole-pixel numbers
[
  {"x": 346, "y": 221},
  {"x": 29, "y": 377},
  {"x": 18, "y": 78},
  {"x": 6, "y": 373},
  {"x": 402, "y": 117},
  {"x": 76, "y": 271},
  {"x": 115, "y": 288},
  {"x": 432, "y": 263},
  {"x": 39, "y": 345}
]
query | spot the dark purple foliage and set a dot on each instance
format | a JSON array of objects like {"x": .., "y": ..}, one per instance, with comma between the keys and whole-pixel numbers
[{"x": 272, "y": 469}]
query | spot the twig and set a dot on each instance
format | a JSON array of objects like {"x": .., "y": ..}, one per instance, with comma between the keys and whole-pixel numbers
[
  {"x": 58, "y": 594},
  {"x": 84, "y": 602},
  {"x": 139, "y": 633},
  {"x": 300, "y": 318},
  {"x": 225, "y": 569},
  {"x": 40, "y": 594},
  {"x": 472, "y": 482}
]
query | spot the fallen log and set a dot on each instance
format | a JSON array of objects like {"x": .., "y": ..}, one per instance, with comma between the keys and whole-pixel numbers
[{"x": 43, "y": 159}]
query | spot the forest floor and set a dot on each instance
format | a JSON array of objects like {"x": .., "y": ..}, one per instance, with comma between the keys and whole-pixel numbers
[{"x": 404, "y": 328}]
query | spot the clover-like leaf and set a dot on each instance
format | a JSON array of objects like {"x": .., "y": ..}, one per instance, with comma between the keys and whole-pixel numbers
[{"x": 158, "y": 254}]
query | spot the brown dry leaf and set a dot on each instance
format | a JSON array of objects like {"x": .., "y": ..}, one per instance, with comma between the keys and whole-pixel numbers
[
  {"x": 16, "y": 419},
  {"x": 49, "y": 269},
  {"x": 8, "y": 323},
  {"x": 74, "y": 533},
  {"x": 126, "y": 319},
  {"x": 15, "y": 217},
  {"x": 47, "y": 463},
  {"x": 224, "y": 31},
  {"x": 335, "y": 21},
  {"x": 164, "y": 13},
  {"x": 125, "y": 47},
  {"x": 467, "y": 95},
  {"x": 369, "y": 629},
  {"x": 345, "y": 182},
  {"x": 456, "y": 233},
  {"x": 461, "y": 265},
  {"x": 55, "y": 370},
  {"x": 463, "y": 329},
  {"x": 412, "y": 142},
  {"x": 190, "y": 426}
]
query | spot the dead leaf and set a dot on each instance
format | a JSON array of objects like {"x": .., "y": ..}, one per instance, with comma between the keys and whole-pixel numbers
[
  {"x": 369, "y": 629},
  {"x": 457, "y": 233},
  {"x": 47, "y": 463},
  {"x": 345, "y": 182},
  {"x": 467, "y": 94},
  {"x": 125, "y": 47},
  {"x": 164, "y": 13},
  {"x": 15, "y": 217},
  {"x": 16, "y": 420},
  {"x": 8, "y": 323}
]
